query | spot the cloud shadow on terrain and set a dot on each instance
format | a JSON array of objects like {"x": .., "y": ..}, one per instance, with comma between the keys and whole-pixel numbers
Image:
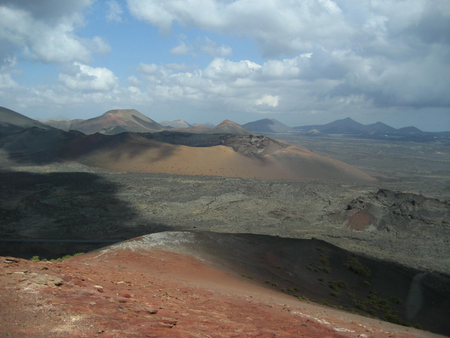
[
  {"x": 55, "y": 214},
  {"x": 38, "y": 146}
]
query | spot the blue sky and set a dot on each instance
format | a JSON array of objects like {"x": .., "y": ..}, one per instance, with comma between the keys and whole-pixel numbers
[{"x": 298, "y": 61}]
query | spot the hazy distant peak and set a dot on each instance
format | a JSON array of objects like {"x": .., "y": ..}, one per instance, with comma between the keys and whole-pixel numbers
[
  {"x": 227, "y": 126},
  {"x": 175, "y": 124},
  {"x": 11, "y": 121},
  {"x": 268, "y": 125},
  {"x": 56, "y": 118},
  {"x": 227, "y": 123}
]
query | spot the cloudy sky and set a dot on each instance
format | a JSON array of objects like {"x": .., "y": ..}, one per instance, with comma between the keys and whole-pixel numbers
[{"x": 298, "y": 61}]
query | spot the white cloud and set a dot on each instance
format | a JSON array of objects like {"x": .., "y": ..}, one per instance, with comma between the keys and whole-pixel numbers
[
  {"x": 178, "y": 67},
  {"x": 81, "y": 77},
  {"x": 134, "y": 81},
  {"x": 268, "y": 100},
  {"x": 114, "y": 11},
  {"x": 148, "y": 69},
  {"x": 318, "y": 56},
  {"x": 222, "y": 68},
  {"x": 278, "y": 26},
  {"x": 45, "y": 31},
  {"x": 181, "y": 49},
  {"x": 210, "y": 47},
  {"x": 205, "y": 45}
]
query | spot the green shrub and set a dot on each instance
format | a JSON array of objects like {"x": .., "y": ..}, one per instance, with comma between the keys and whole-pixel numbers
[
  {"x": 354, "y": 265},
  {"x": 324, "y": 260}
]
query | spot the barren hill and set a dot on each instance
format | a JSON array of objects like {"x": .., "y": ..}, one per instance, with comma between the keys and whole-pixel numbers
[
  {"x": 246, "y": 156},
  {"x": 118, "y": 121},
  {"x": 223, "y": 154},
  {"x": 268, "y": 126},
  {"x": 11, "y": 122},
  {"x": 231, "y": 127}
]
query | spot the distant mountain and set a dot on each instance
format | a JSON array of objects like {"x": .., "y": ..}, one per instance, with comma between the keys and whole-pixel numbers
[
  {"x": 378, "y": 131},
  {"x": 206, "y": 124},
  {"x": 344, "y": 126},
  {"x": 225, "y": 127},
  {"x": 175, "y": 124},
  {"x": 409, "y": 130},
  {"x": 218, "y": 153},
  {"x": 268, "y": 126},
  {"x": 12, "y": 122},
  {"x": 118, "y": 121},
  {"x": 230, "y": 127},
  {"x": 348, "y": 126},
  {"x": 379, "y": 127},
  {"x": 64, "y": 124}
]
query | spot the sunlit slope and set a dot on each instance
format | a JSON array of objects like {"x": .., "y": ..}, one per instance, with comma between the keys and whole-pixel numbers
[{"x": 134, "y": 153}]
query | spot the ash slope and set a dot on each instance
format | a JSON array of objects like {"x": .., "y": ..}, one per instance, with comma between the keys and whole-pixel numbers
[
  {"x": 214, "y": 154},
  {"x": 316, "y": 270}
]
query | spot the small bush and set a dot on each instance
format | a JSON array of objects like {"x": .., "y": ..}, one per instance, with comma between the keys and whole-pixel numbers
[
  {"x": 335, "y": 294},
  {"x": 354, "y": 265},
  {"x": 324, "y": 260}
]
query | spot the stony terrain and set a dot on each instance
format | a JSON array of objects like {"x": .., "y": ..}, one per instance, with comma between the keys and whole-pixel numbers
[
  {"x": 403, "y": 217},
  {"x": 159, "y": 293}
]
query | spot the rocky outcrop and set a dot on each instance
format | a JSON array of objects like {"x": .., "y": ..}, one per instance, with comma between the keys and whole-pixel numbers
[{"x": 388, "y": 210}]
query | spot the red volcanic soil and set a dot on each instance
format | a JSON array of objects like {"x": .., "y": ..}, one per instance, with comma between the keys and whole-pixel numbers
[{"x": 157, "y": 293}]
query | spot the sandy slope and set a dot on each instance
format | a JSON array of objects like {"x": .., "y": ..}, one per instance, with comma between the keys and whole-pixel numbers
[{"x": 134, "y": 153}]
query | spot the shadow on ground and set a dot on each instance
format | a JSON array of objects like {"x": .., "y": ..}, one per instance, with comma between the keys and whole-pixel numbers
[
  {"x": 56, "y": 214},
  {"x": 316, "y": 270}
]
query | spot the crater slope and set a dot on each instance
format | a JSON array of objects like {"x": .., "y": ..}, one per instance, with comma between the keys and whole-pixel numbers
[{"x": 190, "y": 284}]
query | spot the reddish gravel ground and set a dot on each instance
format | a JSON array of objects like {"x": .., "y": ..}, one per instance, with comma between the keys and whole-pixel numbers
[{"x": 158, "y": 293}]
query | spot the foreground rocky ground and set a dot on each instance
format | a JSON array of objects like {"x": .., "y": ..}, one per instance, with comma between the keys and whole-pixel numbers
[
  {"x": 64, "y": 208},
  {"x": 70, "y": 201},
  {"x": 160, "y": 293}
]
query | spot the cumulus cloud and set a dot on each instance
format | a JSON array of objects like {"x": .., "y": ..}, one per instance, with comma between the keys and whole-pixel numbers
[
  {"x": 114, "y": 12},
  {"x": 223, "y": 68},
  {"x": 80, "y": 77},
  {"x": 268, "y": 100},
  {"x": 134, "y": 81},
  {"x": 210, "y": 47},
  {"x": 45, "y": 31},
  {"x": 317, "y": 56},
  {"x": 181, "y": 49},
  {"x": 205, "y": 45},
  {"x": 278, "y": 26},
  {"x": 390, "y": 52}
]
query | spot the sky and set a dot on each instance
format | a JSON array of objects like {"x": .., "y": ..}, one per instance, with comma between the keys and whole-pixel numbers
[{"x": 300, "y": 62}]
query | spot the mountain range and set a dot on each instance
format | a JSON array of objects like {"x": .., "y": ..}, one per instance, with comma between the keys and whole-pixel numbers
[
  {"x": 226, "y": 150},
  {"x": 378, "y": 130},
  {"x": 130, "y": 120},
  {"x": 349, "y": 128}
]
